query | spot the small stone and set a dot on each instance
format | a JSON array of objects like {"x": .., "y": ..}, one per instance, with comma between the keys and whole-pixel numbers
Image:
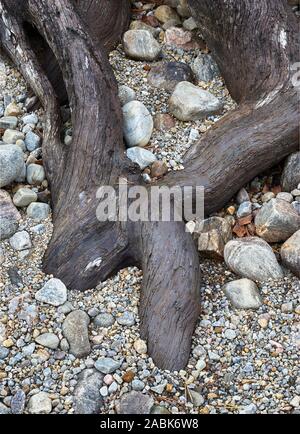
[
  {"x": 106, "y": 365},
  {"x": 205, "y": 68},
  {"x": 8, "y": 122},
  {"x": 158, "y": 169},
  {"x": 87, "y": 398},
  {"x": 248, "y": 409},
  {"x": 35, "y": 174},
  {"x": 263, "y": 320},
  {"x": 295, "y": 402},
  {"x": 138, "y": 385},
  {"x": 287, "y": 307},
  {"x": 11, "y": 136},
  {"x": 196, "y": 398},
  {"x": 54, "y": 292},
  {"x": 242, "y": 196},
  {"x": 190, "y": 24},
  {"x": 12, "y": 110},
  {"x": 276, "y": 221},
  {"x": 113, "y": 388},
  {"x": 40, "y": 404},
  {"x": 20, "y": 241},
  {"x": 9, "y": 216},
  {"x": 163, "y": 122},
  {"x": 126, "y": 94},
  {"x": 7, "y": 343},
  {"x": 253, "y": 258},
  {"x": 24, "y": 196},
  {"x": 48, "y": 340},
  {"x": 166, "y": 75},
  {"x": 11, "y": 164},
  {"x": 17, "y": 403},
  {"x": 290, "y": 253},
  {"x": 75, "y": 330},
  {"x": 159, "y": 409},
  {"x": 140, "y": 45},
  {"x": 103, "y": 391},
  {"x": 126, "y": 319},
  {"x": 38, "y": 211},
  {"x": 230, "y": 334},
  {"x": 140, "y": 156},
  {"x": 3, "y": 408},
  {"x": 267, "y": 196},
  {"x": 212, "y": 234},
  {"x": 243, "y": 294},
  {"x": 140, "y": 346},
  {"x": 32, "y": 141},
  {"x": 244, "y": 209},
  {"x": 180, "y": 38},
  {"x": 137, "y": 124},
  {"x": 200, "y": 365},
  {"x": 104, "y": 320},
  {"x": 135, "y": 403},
  {"x": 108, "y": 379},
  {"x": 139, "y": 25},
  {"x": 189, "y": 102},
  {"x": 30, "y": 119},
  {"x": 4, "y": 352},
  {"x": 164, "y": 13}
]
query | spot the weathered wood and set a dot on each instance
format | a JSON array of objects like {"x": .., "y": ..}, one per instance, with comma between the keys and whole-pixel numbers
[{"x": 262, "y": 131}]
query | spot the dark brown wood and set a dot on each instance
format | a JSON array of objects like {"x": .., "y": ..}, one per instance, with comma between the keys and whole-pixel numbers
[{"x": 258, "y": 134}]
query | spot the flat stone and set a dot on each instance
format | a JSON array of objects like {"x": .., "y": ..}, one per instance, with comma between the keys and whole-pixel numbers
[
  {"x": 48, "y": 340},
  {"x": 276, "y": 221},
  {"x": 243, "y": 294},
  {"x": 166, "y": 75},
  {"x": 75, "y": 330},
  {"x": 126, "y": 94},
  {"x": 38, "y": 211},
  {"x": 205, "y": 68},
  {"x": 87, "y": 397},
  {"x": 24, "y": 196},
  {"x": 11, "y": 136},
  {"x": 196, "y": 398},
  {"x": 140, "y": 156},
  {"x": 137, "y": 124},
  {"x": 291, "y": 172},
  {"x": 54, "y": 292},
  {"x": 212, "y": 235},
  {"x": 40, "y": 404},
  {"x": 11, "y": 164},
  {"x": 106, "y": 365},
  {"x": 290, "y": 253},
  {"x": 141, "y": 45},
  {"x": 253, "y": 258},
  {"x": 104, "y": 320},
  {"x": 127, "y": 319},
  {"x": 35, "y": 174},
  {"x": 8, "y": 122},
  {"x": 244, "y": 209},
  {"x": 9, "y": 216},
  {"x": 180, "y": 38},
  {"x": 20, "y": 241},
  {"x": 135, "y": 403},
  {"x": 32, "y": 141},
  {"x": 189, "y": 102}
]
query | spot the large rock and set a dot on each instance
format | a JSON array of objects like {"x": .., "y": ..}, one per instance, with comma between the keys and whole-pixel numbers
[
  {"x": 140, "y": 156},
  {"x": 205, "y": 68},
  {"x": 9, "y": 216},
  {"x": 189, "y": 102},
  {"x": 40, "y": 404},
  {"x": 54, "y": 292},
  {"x": 11, "y": 164},
  {"x": 137, "y": 124},
  {"x": 253, "y": 258},
  {"x": 291, "y": 172},
  {"x": 87, "y": 397},
  {"x": 135, "y": 403},
  {"x": 140, "y": 45},
  {"x": 166, "y": 75},
  {"x": 212, "y": 234},
  {"x": 75, "y": 330},
  {"x": 290, "y": 253},
  {"x": 24, "y": 196},
  {"x": 276, "y": 221},
  {"x": 243, "y": 294}
]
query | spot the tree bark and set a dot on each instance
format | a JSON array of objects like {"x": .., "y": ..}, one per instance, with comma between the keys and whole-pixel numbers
[{"x": 262, "y": 131}]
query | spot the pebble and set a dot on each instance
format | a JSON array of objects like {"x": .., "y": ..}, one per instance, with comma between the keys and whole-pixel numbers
[
  {"x": 126, "y": 94},
  {"x": 32, "y": 141},
  {"x": 140, "y": 156},
  {"x": 38, "y": 211},
  {"x": 24, "y": 196},
  {"x": 107, "y": 365},
  {"x": 54, "y": 292},
  {"x": 243, "y": 294},
  {"x": 75, "y": 330},
  {"x": 40, "y": 404},
  {"x": 49, "y": 340},
  {"x": 11, "y": 164},
  {"x": 204, "y": 67},
  {"x": 12, "y": 136},
  {"x": 20, "y": 241},
  {"x": 104, "y": 320},
  {"x": 166, "y": 75},
  {"x": 126, "y": 319},
  {"x": 35, "y": 174},
  {"x": 137, "y": 124},
  {"x": 135, "y": 403},
  {"x": 140, "y": 346}
]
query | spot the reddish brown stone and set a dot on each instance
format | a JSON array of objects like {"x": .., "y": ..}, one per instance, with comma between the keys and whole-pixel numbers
[
  {"x": 158, "y": 169},
  {"x": 163, "y": 122}
]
